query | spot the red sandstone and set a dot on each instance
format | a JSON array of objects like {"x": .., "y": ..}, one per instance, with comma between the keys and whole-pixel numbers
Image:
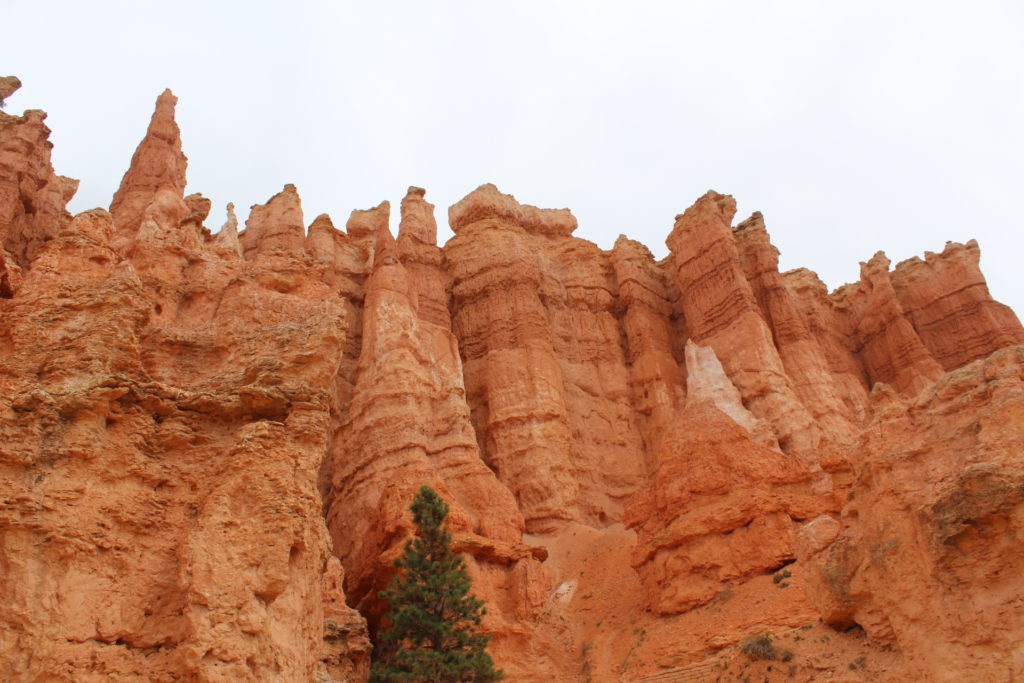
[{"x": 208, "y": 442}]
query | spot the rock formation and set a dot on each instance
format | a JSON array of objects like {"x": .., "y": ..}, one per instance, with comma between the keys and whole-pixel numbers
[
  {"x": 209, "y": 442},
  {"x": 164, "y": 415},
  {"x": 927, "y": 561},
  {"x": 32, "y": 196}
]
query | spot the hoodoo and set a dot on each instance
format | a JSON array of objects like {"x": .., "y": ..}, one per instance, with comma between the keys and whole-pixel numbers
[{"x": 694, "y": 468}]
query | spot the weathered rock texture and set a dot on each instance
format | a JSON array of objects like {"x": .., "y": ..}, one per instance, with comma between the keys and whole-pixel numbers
[
  {"x": 163, "y": 419},
  {"x": 32, "y": 196},
  {"x": 209, "y": 442},
  {"x": 928, "y": 558}
]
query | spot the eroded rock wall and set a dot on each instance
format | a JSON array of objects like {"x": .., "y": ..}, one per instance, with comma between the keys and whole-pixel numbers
[
  {"x": 209, "y": 442},
  {"x": 927, "y": 560},
  {"x": 165, "y": 410},
  {"x": 32, "y": 196}
]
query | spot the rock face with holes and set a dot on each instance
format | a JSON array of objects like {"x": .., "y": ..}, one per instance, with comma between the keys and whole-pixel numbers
[{"x": 209, "y": 442}]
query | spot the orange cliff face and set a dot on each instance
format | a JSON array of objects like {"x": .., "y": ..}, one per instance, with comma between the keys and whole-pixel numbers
[{"x": 209, "y": 442}]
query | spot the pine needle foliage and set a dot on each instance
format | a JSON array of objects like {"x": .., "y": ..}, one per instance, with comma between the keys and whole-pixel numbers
[{"x": 433, "y": 635}]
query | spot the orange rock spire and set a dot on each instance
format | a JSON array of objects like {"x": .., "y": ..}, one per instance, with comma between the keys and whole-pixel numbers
[{"x": 158, "y": 163}]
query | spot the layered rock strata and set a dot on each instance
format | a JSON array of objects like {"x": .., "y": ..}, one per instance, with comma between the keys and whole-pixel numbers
[
  {"x": 535, "y": 311},
  {"x": 209, "y": 442}
]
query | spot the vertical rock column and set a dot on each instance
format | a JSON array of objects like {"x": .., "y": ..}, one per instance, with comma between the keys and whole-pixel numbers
[
  {"x": 886, "y": 342},
  {"x": 538, "y": 317},
  {"x": 513, "y": 379},
  {"x": 721, "y": 312},
  {"x": 801, "y": 355},
  {"x": 158, "y": 163},
  {"x": 830, "y": 321},
  {"x": 409, "y": 425},
  {"x": 658, "y": 382}
]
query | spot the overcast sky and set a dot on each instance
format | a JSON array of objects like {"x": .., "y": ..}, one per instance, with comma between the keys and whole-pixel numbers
[{"x": 853, "y": 126}]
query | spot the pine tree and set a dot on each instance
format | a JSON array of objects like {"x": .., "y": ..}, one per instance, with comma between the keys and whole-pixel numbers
[{"x": 433, "y": 635}]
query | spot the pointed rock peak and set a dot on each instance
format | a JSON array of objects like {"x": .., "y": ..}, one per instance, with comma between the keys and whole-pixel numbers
[
  {"x": 162, "y": 124},
  {"x": 418, "y": 217},
  {"x": 724, "y": 202},
  {"x": 385, "y": 251},
  {"x": 158, "y": 163},
  {"x": 232, "y": 222},
  {"x": 757, "y": 252},
  {"x": 631, "y": 248},
  {"x": 487, "y": 202},
  {"x": 365, "y": 223},
  {"x": 322, "y": 238},
  {"x": 953, "y": 252},
  {"x": 8, "y": 86},
  {"x": 278, "y": 224},
  {"x": 288, "y": 197},
  {"x": 879, "y": 263},
  {"x": 322, "y": 222},
  {"x": 754, "y": 223},
  {"x": 228, "y": 235},
  {"x": 969, "y": 248}
]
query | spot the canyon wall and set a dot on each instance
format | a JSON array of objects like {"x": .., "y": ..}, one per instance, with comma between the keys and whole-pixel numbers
[{"x": 209, "y": 441}]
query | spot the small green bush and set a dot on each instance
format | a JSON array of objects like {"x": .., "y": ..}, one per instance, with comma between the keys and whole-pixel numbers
[{"x": 779, "y": 576}]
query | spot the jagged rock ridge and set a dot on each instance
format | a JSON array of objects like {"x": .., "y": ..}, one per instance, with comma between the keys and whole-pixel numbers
[{"x": 208, "y": 442}]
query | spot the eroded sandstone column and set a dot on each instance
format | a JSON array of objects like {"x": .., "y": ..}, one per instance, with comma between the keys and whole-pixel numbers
[
  {"x": 722, "y": 312},
  {"x": 800, "y": 353},
  {"x": 535, "y": 311}
]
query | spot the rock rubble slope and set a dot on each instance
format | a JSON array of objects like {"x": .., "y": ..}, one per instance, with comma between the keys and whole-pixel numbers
[{"x": 209, "y": 441}]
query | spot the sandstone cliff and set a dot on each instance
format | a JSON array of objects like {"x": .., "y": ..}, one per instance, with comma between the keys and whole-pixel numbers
[{"x": 208, "y": 442}]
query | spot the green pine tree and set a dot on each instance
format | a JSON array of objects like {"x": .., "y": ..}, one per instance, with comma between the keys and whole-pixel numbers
[{"x": 433, "y": 636}]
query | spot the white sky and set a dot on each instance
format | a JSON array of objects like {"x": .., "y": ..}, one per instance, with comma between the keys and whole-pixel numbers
[{"x": 853, "y": 126}]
